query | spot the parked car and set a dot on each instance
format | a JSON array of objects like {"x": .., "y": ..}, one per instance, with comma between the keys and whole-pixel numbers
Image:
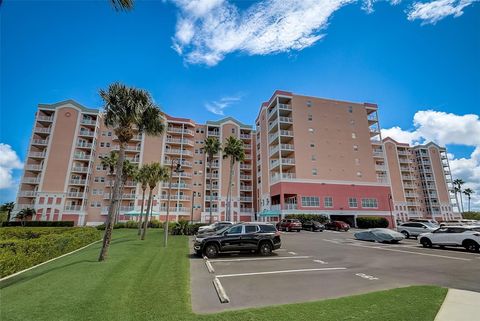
[
  {"x": 289, "y": 225},
  {"x": 458, "y": 222},
  {"x": 337, "y": 226},
  {"x": 464, "y": 236},
  {"x": 213, "y": 227},
  {"x": 381, "y": 235},
  {"x": 415, "y": 228},
  {"x": 260, "y": 237},
  {"x": 313, "y": 226},
  {"x": 423, "y": 220}
]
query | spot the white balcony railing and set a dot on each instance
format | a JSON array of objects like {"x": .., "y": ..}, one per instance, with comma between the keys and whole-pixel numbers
[
  {"x": 174, "y": 151},
  {"x": 74, "y": 208},
  {"x": 37, "y": 154},
  {"x": 179, "y": 141},
  {"x": 42, "y": 130},
  {"x": 77, "y": 181},
  {"x": 80, "y": 169},
  {"x": 246, "y": 199},
  {"x": 39, "y": 141},
  {"x": 31, "y": 180},
  {"x": 245, "y": 188},
  {"x": 27, "y": 193},
  {"x": 33, "y": 167},
  {"x": 84, "y": 145},
  {"x": 45, "y": 118},
  {"x": 86, "y": 121},
  {"x": 246, "y": 210},
  {"x": 283, "y": 176},
  {"x": 213, "y": 133},
  {"x": 87, "y": 133},
  {"x": 75, "y": 194}
]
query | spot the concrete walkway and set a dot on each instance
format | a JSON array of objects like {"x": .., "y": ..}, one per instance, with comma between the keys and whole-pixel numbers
[{"x": 459, "y": 305}]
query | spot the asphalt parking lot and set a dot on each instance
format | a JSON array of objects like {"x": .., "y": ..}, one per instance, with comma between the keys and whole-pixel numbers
[{"x": 318, "y": 265}]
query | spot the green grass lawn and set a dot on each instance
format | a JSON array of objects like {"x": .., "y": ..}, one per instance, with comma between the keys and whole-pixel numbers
[{"x": 143, "y": 281}]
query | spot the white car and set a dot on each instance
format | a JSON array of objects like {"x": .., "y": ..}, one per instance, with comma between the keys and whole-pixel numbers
[
  {"x": 415, "y": 228},
  {"x": 464, "y": 236}
]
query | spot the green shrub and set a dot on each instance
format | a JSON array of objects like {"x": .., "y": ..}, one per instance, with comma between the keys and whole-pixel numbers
[
  {"x": 372, "y": 222},
  {"x": 308, "y": 217},
  {"x": 154, "y": 224},
  {"x": 22, "y": 247},
  {"x": 40, "y": 223},
  {"x": 471, "y": 216}
]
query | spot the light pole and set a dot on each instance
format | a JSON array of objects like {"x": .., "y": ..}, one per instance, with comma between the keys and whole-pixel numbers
[
  {"x": 177, "y": 169},
  {"x": 390, "y": 207},
  {"x": 193, "y": 204}
]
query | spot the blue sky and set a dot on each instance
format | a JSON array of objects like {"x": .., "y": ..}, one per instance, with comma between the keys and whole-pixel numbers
[{"x": 402, "y": 57}]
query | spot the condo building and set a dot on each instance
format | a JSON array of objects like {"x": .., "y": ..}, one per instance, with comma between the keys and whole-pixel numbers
[
  {"x": 421, "y": 181},
  {"x": 305, "y": 155},
  {"x": 64, "y": 179}
]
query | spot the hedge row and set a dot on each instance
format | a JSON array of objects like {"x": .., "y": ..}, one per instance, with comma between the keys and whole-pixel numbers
[
  {"x": 308, "y": 217},
  {"x": 372, "y": 222},
  {"x": 471, "y": 215},
  {"x": 21, "y": 248},
  {"x": 39, "y": 223}
]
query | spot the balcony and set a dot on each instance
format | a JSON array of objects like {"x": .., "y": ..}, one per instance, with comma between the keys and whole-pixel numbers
[
  {"x": 246, "y": 166},
  {"x": 212, "y": 186},
  {"x": 37, "y": 154},
  {"x": 408, "y": 177},
  {"x": 126, "y": 196},
  {"x": 42, "y": 130},
  {"x": 172, "y": 151},
  {"x": 31, "y": 180},
  {"x": 405, "y": 168},
  {"x": 133, "y": 159},
  {"x": 185, "y": 175},
  {"x": 214, "y": 198},
  {"x": 177, "y": 210},
  {"x": 245, "y": 177},
  {"x": 246, "y": 188},
  {"x": 378, "y": 153},
  {"x": 42, "y": 142},
  {"x": 177, "y": 186},
  {"x": 290, "y": 206},
  {"x": 403, "y": 160},
  {"x": 412, "y": 204},
  {"x": 84, "y": 145},
  {"x": 74, "y": 208},
  {"x": 22, "y": 206},
  {"x": 33, "y": 167},
  {"x": 403, "y": 152},
  {"x": 45, "y": 118},
  {"x": 245, "y": 136},
  {"x": 415, "y": 213},
  {"x": 178, "y": 130},
  {"x": 287, "y": 120},
  {"x": 175, "y": 197},
  {"x": 429, "y": 178},
  {"x": 77, "y": 181},
  {"x": 86, "y": 121},
  {"x": 380, "y": 168},
  {"x": 75, "y": 194},
  {"x": 213, "y": 175},
  {"x": 408, "y": 185},
  {"x": 213, "y": 133},
  {"x": 410, "y": 195},
  {"x": 246, "y": 199},
  {"x": 128, "y": 148},
  {"x": 179, "y": 141},
  {"x": 27, "y": 194},
  {"x": 82, "y": 156},
  {"x": 123, "y": 209},
  {"x": 283, "y": 176},
  {"x": 86, "y": 133},
  {"x": 80, "y": 169},
  {"x": 246, "y": 210},
  {"x": 207, "y": 209}
]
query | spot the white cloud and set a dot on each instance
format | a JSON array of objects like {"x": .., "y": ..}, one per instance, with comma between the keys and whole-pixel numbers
[
  {"x": 444, "y": 129},
  {"x": 207, "y": 30},
  {"x": 9, "y": 161},
  {"x": 434, "y": 11},
  {"x": 216, "y": 107}
]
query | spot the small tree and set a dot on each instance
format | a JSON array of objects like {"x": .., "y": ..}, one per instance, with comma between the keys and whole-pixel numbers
[
  {"x": 24, "y": 214},
  {"x": 212, "y": 147},
  {"x": 8, "y": 207},
  {"x": 468, "y": 192},
  {"x": 458, "y": 189}
]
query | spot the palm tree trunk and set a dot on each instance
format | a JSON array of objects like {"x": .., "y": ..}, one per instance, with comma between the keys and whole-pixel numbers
[
  {"x": 461, "y": 200},
  {"x": 107, "y": 236},
  {"x": 149, "y": 205},
  {"x": 469, "y": 202},
  {"x": 141, "y": 213},
  {"x": 458, "y": 203},
  {"x": 117, "y": 212},
  {"x": 210, "y": 168},
  {"x": 229, "y": 193}
]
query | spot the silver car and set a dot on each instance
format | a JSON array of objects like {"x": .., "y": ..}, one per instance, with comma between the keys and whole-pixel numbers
[{"x": 416, "y": 228}]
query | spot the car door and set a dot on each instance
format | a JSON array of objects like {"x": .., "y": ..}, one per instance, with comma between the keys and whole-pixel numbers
[
  {"x": 232, "y": 238},
  {"x": 439, "y": 236},
  {"x": 250, "y": 237},
  {"x": 418, "y": 228},
  {"x": 456, "y": 235}
]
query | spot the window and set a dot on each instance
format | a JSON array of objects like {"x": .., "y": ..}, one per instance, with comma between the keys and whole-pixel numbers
[
  {"x": 310, "y": 117},
  {"x": 310, "y": 130},
  {"x": 235, "y": 230},
  {"x": 314, "y": 171},
  {"x": 309, "y": 103},
  {"x": 233, "y": 130},
  {"x": 328, "y": 201},
  {"x": 359, "y": 174},
  {"x": 354, "y": 135},
  {"x": 369, "y": 202},
  {"x": 350, "y": 109},
  {"x": 109, "y": 134},
  {"x": 355, "y": 148},
  {"x": 312, "y": 145},
  {"x": 314, "y": 157},
  {"x": 268, "y": 228},
  {"x": 102, "y": 144},
  {"x": 107, "y": 144},
  {"x": 357, "y": 161},
  {"x": 250, "y": 228},
  {"x": 352, "y": 202},
  {"x": 310, "y": 201}
]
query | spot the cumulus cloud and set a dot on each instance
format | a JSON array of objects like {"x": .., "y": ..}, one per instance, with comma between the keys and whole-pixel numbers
[
  {"x": 9, "y": 161},
  {"x": 434, "y": 11},
  {"x": 217, "y": 106},
  {"x": 444, "y": 129}
]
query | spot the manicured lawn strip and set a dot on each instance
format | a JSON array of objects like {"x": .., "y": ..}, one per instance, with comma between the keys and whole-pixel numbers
[{"x": 143, "y": 281}]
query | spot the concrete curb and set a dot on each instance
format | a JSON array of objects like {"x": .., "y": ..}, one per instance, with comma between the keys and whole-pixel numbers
[
  {"x": 220, "y": 291},
  {"x": 51, "y": 260},
  {"x": 459, "y": 305},
  {"x": 209, "y": 266}
]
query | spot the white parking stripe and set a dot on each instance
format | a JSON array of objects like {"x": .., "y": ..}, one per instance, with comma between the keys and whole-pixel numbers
[
  {"x": 261, "y": 259},
  {"x": 279, "y": 272},
  {"x": 293, "y": 253},
  {"x": 320, "y": 261}
]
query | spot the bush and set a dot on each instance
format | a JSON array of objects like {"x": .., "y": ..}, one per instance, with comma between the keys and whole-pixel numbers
[
  {"x": 22, "y": 247},
  {"x": 40, "y": 223},
  {"x": 154, "y": 224},
  {"x": 131, "y": 224},
  {"x": 308, "y": 217},
  {"x": 471, "y": 216},
  {"x": 372, "y": 222}
]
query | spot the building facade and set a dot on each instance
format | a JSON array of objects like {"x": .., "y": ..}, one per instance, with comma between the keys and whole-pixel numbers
[
  {"x": 305, "y": 155},
  {"x": 421, "y": 181},
  {"x": 64, "y": 179}
]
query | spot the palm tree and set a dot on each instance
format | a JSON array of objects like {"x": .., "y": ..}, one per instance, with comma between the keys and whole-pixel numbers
[
  {"x": 157, "y": 173},
  {"x": 110, "y": 162},
  {"x": 234, "y": 150},
  {"x": 468, "y": 192},
  {"x": 458, "y": 189},
  {"x": 24, "y": 214},
  {"x": 126, "y": 110},
  {"x": 212, "y": 147},
  {"x": 129, "y": 170},
  {"x": 122, "y": 4},
  {"x": 142, "y": 177},
  {"x": 8, "y": 207}
]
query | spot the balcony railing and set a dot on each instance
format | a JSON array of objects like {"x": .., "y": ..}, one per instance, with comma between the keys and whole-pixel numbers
[
  {"x": 176, "y": 197},
  {"x": 173, "y": 151},
  {"x": 179, "y": 141},
  {"x": 75, "y": 194},
  {"x": 247, "y": 177},
  {"x": 37, "y": 154},
  {"x": 33, "y": 167},
  {"x": 246, "y": 199},
  {"x": 245, "y": 136},
  {"x": 126, "y": 196},
  {"x": 245, "y": 166},
  {"x": 176, "y": 209},
  {"x": 123, "y": 209},
  {"x": 80, "y": 169},
  {"x": 246, "y": 188},
  {"x": 22, "y": 206},
  {"x": 42, "y": 130},
  {"x": 176, "y": 185},
  {"x": 27, "y": 193},
  {"x": 74, "y": 208},
  {"x": 86, "y": 121},
  {"x": 128, "y": 148},
  {"x": 32, "y": 180},
  {"x": 87, "y": 133},
  {"x": 207, "y": 209},
  {"x": 187, "y": 175},
  {"x": 82, "y": 156},
  {"x": 77, "y": 181},
  {"x": 177, "y": 130},
  {"x": 212, "y": 186},
  {"x": 246, "y": 210},
  {"x": 84, "y": 145},
  {"x": 288, "y": 120},
  {"x": 39, "y": 141},
  {"x": 213, "y": 133},
  {"x": 283, "y": 176},
  {"x": 45, "y": 118}
]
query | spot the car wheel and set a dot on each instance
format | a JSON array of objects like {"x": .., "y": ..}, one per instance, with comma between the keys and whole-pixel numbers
[
  {"x": 211, "y": 250},
  {"x": 298, "y": 230},
  {"x": 471, "y": 246},
  {"x": 426, "y": 242},
  {"x": 265, "y": 249},
  {"x": 337, "y": 229},
  {"x": 406, "y": 234},
  {"x": 442, "y": 246}
]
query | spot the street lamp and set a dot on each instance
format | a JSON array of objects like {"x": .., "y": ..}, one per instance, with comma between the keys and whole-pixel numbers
[
  {"x": 193, "y": 202},
  {"x": 178, "y": 169},
  {"x": 390, "y": 207}
]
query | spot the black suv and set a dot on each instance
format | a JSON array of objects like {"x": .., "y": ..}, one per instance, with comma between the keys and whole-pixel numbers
[{"x": 260, "y": 237}]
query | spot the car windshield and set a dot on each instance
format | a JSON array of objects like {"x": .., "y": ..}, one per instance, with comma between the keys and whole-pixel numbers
[
  {"x": 431, "y": 225},
  {"x": 220, "y": 231}
]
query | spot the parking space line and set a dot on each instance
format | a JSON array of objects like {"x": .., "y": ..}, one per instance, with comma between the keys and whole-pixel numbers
[
  {"x": 410, "y": 252},
  {"x": 293, "y": 253},
  {"x": 261, "y": 259},
  {"x": 320, "y": 261},
  {"x": 279, "y": 272}
]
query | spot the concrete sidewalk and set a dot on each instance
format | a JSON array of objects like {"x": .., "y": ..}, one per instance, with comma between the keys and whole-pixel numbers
[{"x": 459, "y": 305}]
